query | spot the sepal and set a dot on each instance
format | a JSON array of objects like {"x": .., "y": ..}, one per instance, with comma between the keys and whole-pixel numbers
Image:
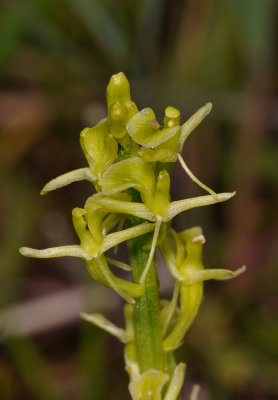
[
  {"x": 176, "y": 207},
  {"x": 103, "y": 323},
  {"x": 60, "y": 251},
  {"x": 132, "y": 172},
  {"x": 68, "y": 178}
]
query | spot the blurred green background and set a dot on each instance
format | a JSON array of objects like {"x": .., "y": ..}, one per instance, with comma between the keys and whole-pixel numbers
[{"x": 56, "y": 58}]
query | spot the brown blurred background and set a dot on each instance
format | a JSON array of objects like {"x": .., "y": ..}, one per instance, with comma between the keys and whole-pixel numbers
[{"x": 56, "y": 58}]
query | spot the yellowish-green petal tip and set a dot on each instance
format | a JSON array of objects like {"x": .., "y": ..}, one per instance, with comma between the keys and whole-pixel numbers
[
  {"x": 208, "y": 107},
  {"x": 232, "y": 194},
  {"x": 78, "y": 212},
  {"x": 24, "y": 251}
]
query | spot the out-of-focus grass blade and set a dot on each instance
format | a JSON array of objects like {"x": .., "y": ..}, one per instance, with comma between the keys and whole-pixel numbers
[
  {"x": 33, "y": 369},
  {"x": 19, "y": 201},
  {"x": 38, "y": 24},
  {"x": 92, "y": 366},
  {"x": 10, "y": 32},
  {"x": 149, "y": 16},
  {"x": 149, "y": 21},
  {"x": 103, "y": 29},
  {"x": 255, "y": 18}
]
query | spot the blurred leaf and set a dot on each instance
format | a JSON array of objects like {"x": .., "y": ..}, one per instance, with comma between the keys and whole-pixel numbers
[
  {"x": 17, "y": 225},
  {"x": 255, "y": 18},
  {"x": 92, "y": 365},
  {"x": 10, "y": 34},
  {"x": 104, "y": 29},
  {"x": 33, "y": 369}
]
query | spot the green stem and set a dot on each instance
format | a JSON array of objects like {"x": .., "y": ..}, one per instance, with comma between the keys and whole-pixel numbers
[{"x": 147, "y": 330}]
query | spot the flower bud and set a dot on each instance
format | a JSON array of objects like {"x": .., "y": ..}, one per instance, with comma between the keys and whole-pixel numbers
[
  {"x": 118, "y": 90},
  {"x": 172, "y": 117}
]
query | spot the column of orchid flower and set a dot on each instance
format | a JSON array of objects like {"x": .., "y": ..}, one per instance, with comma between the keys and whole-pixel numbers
[{"x": 129, "y": 156}]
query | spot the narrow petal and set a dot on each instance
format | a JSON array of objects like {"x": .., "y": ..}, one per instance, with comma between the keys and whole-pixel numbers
[
  {"x": 103, "y": 323},
  {"x": 68, "y": 178},
  {"x": 155, "y": 237},
  {"x": 179, "y": 206},
  {"x": 193, "y": 177},
  {"x": 118, "y": 264},
  {"x": 171, "y": 308},
  {"x": 61, "y": 251}
]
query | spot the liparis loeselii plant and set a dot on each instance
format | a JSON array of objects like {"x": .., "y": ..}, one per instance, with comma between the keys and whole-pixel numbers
[{"x": 130, "y": 156}]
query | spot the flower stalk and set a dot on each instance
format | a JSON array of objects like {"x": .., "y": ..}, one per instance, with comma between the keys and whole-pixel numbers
[{"x": 128, "y": 155}]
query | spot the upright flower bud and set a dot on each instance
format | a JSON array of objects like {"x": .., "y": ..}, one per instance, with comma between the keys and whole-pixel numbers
[
  {"x": 172, "y": 117},
  {"x": 118, "y": 90},
  {"x": 119, "y": 104}
]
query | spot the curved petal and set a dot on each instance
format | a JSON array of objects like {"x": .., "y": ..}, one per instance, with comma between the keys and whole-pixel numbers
[
  {"x": 132, "y": 172},
  {"x": 145, "y": 130}
]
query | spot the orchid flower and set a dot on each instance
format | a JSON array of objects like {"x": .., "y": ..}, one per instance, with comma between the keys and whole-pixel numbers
[
  {"x": 165, "y": 144},
  {"x": 89, "y": 224},
  {"x": 182, "y": 253}
]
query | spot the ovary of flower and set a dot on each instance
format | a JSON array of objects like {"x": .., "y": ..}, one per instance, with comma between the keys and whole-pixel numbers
[
  {"x": 183, "y": 255},
  {"x": 92, "y": 253},
  {"x": 134, "y": 172}
]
